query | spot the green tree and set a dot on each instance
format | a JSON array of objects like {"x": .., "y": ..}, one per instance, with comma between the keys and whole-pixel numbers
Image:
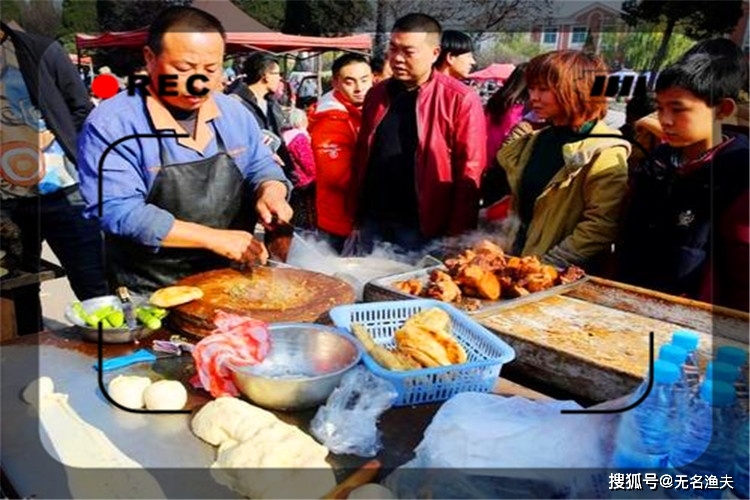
[
  {"x": 325, "y": 17},
  {"x": 11, "y": 10},
  {"x": 511, "y": 48},
  {"x": 696, "y": 19},
  {"x": 78, "y": 16},
  {"x": 268, "y": 12},
  {"x": 636, "y": 50}
]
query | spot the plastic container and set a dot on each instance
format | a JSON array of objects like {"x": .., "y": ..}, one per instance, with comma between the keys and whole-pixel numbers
[
  {"x": 723, "y": 372},
  {"x": 486, "y": 352},
  {"x": 707, "y": 444},
  {"x": 689, "y": 341},
  {"x": 644, "y": 432}
]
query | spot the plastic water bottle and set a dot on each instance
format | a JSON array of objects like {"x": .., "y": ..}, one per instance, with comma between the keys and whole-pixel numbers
[
  {"x": 741, "y": 462},
  {"x": 677, "y": 356},
  {"x": 689, "y": 341},
  {"x": 706, "y": 446},
  {"x": 737, "y": 357},
  {"x": 722, "y": 372},
  {"x": 643, "y": 435}
]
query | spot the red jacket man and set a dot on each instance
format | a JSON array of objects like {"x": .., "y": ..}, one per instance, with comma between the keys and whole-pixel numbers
[
  {"x": 428, "y": 185},
  {"x": 333, "y": 128}
]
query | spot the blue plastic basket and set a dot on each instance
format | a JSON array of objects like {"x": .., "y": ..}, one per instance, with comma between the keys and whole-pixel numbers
[{"x": 486, "y": 352}]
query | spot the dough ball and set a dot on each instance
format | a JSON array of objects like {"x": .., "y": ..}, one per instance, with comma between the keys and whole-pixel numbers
[
  {"x": 128, "y": 390},
  {"x": 38, "y": 389},
  {"x": 371, "y": 490},
  {"x": 165, "y": 395}
]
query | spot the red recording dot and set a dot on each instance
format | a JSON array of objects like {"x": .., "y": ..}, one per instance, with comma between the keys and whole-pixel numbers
[{"x": 105, "y": 86}]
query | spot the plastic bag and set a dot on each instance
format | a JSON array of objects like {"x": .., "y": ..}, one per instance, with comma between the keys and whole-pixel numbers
[
  {"x": 489, "y": 446},
  {"x": 348, "y": 421}
]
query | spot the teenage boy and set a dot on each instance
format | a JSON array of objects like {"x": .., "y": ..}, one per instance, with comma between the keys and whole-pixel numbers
[{"x": 686, "y": 230}]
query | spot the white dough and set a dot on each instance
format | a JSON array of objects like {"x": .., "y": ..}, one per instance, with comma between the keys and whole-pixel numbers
[
  {"x": 128, "y": 390},
  {"x": 251, "y": 441},
  {"x": 165, "y": 395},
  {"x": 37, "y": 390},
  {"x": 371, "y": 490}
]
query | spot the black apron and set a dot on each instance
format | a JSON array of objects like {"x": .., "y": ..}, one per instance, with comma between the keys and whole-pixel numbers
[{"x": 211, "y": 192}]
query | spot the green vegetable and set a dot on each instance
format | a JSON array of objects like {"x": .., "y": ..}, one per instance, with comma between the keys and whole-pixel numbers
[
  {"x": 116, "y": 319},
  {"x": 156, "y": 312},
  {"x": 81, "y": 312},
  {"x": 147, "y": 319}
]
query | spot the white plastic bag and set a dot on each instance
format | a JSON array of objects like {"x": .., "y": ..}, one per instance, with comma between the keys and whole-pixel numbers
[
  {"x": 489, "y": 446},
  {"x": 348, "y": 421}
]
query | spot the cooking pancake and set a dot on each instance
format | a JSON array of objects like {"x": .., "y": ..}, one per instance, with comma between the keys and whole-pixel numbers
[{"x": 266, "y": 293}]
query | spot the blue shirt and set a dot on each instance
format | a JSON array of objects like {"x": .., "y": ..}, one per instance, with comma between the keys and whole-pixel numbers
[{"x": 130, "y": 169}]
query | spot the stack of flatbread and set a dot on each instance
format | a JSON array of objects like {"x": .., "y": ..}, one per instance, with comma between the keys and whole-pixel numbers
[{"x": 424, "y": 341}]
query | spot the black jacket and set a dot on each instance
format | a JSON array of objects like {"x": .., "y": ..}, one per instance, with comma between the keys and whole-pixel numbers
[
  {"x": 54, "y": 86},
  {"x": 274, "y": 121},
  {"x": 673, "y": 239}
]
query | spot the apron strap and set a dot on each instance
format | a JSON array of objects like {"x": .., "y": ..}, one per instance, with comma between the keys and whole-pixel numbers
[{"x": 164, "y": 156}]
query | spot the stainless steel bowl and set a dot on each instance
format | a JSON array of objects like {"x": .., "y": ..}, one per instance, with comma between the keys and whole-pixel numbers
[
  {"x": 304, "y": 365},
  {"x": 109, "y": 335}
]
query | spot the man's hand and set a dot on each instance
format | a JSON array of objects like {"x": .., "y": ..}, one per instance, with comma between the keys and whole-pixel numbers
[
  {"x": 238, "y": 246},
  {"x": 271, "y": 203}
]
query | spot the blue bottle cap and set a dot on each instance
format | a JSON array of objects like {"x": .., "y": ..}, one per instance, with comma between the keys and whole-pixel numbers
[
  {"x": 718, "y": 393},
  {"x": 733, "y": 355},
  {"x": 673, "y": 354},
  {"x": 665, "y": 372},
  {"x": 724, "y": 372},
  {"x": 686, "y": 339}
]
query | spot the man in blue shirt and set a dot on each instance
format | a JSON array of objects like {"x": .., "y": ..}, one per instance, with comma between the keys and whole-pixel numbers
[{"x": 171, "y": 207}]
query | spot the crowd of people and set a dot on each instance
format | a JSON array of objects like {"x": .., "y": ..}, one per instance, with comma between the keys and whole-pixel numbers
[{"x": 399, "y": 151}]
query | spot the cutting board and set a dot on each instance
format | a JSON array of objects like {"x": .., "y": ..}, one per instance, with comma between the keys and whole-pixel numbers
[{"x": 271, "y": 294}]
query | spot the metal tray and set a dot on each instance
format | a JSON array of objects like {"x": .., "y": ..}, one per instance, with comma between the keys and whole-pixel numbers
[{"x": 382, "y": 289}]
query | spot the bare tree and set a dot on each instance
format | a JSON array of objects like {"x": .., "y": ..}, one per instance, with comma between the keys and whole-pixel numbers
[{"x": 477, "y": 17}]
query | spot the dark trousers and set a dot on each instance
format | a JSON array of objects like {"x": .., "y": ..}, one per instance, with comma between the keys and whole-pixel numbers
[{"x": 58, "y": 219}]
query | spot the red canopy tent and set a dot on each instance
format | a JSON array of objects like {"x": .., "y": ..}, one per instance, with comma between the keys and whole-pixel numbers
[{"x": 499, "y": 72}]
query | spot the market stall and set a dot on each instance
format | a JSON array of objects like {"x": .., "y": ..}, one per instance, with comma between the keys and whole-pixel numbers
[{"x": 415, "y": 350}]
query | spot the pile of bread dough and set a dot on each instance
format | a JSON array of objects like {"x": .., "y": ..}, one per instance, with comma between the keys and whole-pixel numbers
[{"x": 260, "y": 456}]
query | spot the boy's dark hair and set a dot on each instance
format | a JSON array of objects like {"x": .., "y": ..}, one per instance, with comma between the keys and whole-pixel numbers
[
  {"x": 377, "y": 64},
  {"x": 180, "y": 18},
  {"x": 454, "y": 43},
  {"x": 345, "y": 60},
  {"x": 417, "y": 22},
  {"x": 712, "y": 70},
  {"x": 256, "y": 66}
]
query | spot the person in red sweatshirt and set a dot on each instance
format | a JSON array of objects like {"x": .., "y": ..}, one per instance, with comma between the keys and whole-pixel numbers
[{"x": 333, "y": 128}]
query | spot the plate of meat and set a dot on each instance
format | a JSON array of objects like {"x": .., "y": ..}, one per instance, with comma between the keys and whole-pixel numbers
[{"x": 479, "y": 279}]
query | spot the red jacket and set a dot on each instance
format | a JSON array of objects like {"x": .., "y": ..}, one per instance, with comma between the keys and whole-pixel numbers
[
  {"x": 333, "y": 129},
  {"x": 451, "y": 152}
]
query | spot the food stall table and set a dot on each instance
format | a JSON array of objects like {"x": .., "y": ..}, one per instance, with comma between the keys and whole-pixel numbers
[{"x": 163, "y": 444}]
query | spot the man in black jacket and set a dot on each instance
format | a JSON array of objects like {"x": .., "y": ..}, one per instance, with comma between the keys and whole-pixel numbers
[
  {"x": 256, "y": 90},
  {"x": 44, "y": 105}
]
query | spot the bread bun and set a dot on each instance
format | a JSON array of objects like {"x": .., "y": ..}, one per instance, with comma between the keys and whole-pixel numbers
[{"x": 172, "y": 296}]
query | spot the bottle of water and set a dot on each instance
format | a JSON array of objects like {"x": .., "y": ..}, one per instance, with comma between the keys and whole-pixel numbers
[
  {"x": 737, "y": 357},
  {"x": 741, "y": 462},
  {"x": 722, "y": 372},
  {"x": 708, "y": 439},
  {"x": 643, "y": 435},
  {"x": 689, "y": 341},
  {"x": 681, "y": 400}
]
